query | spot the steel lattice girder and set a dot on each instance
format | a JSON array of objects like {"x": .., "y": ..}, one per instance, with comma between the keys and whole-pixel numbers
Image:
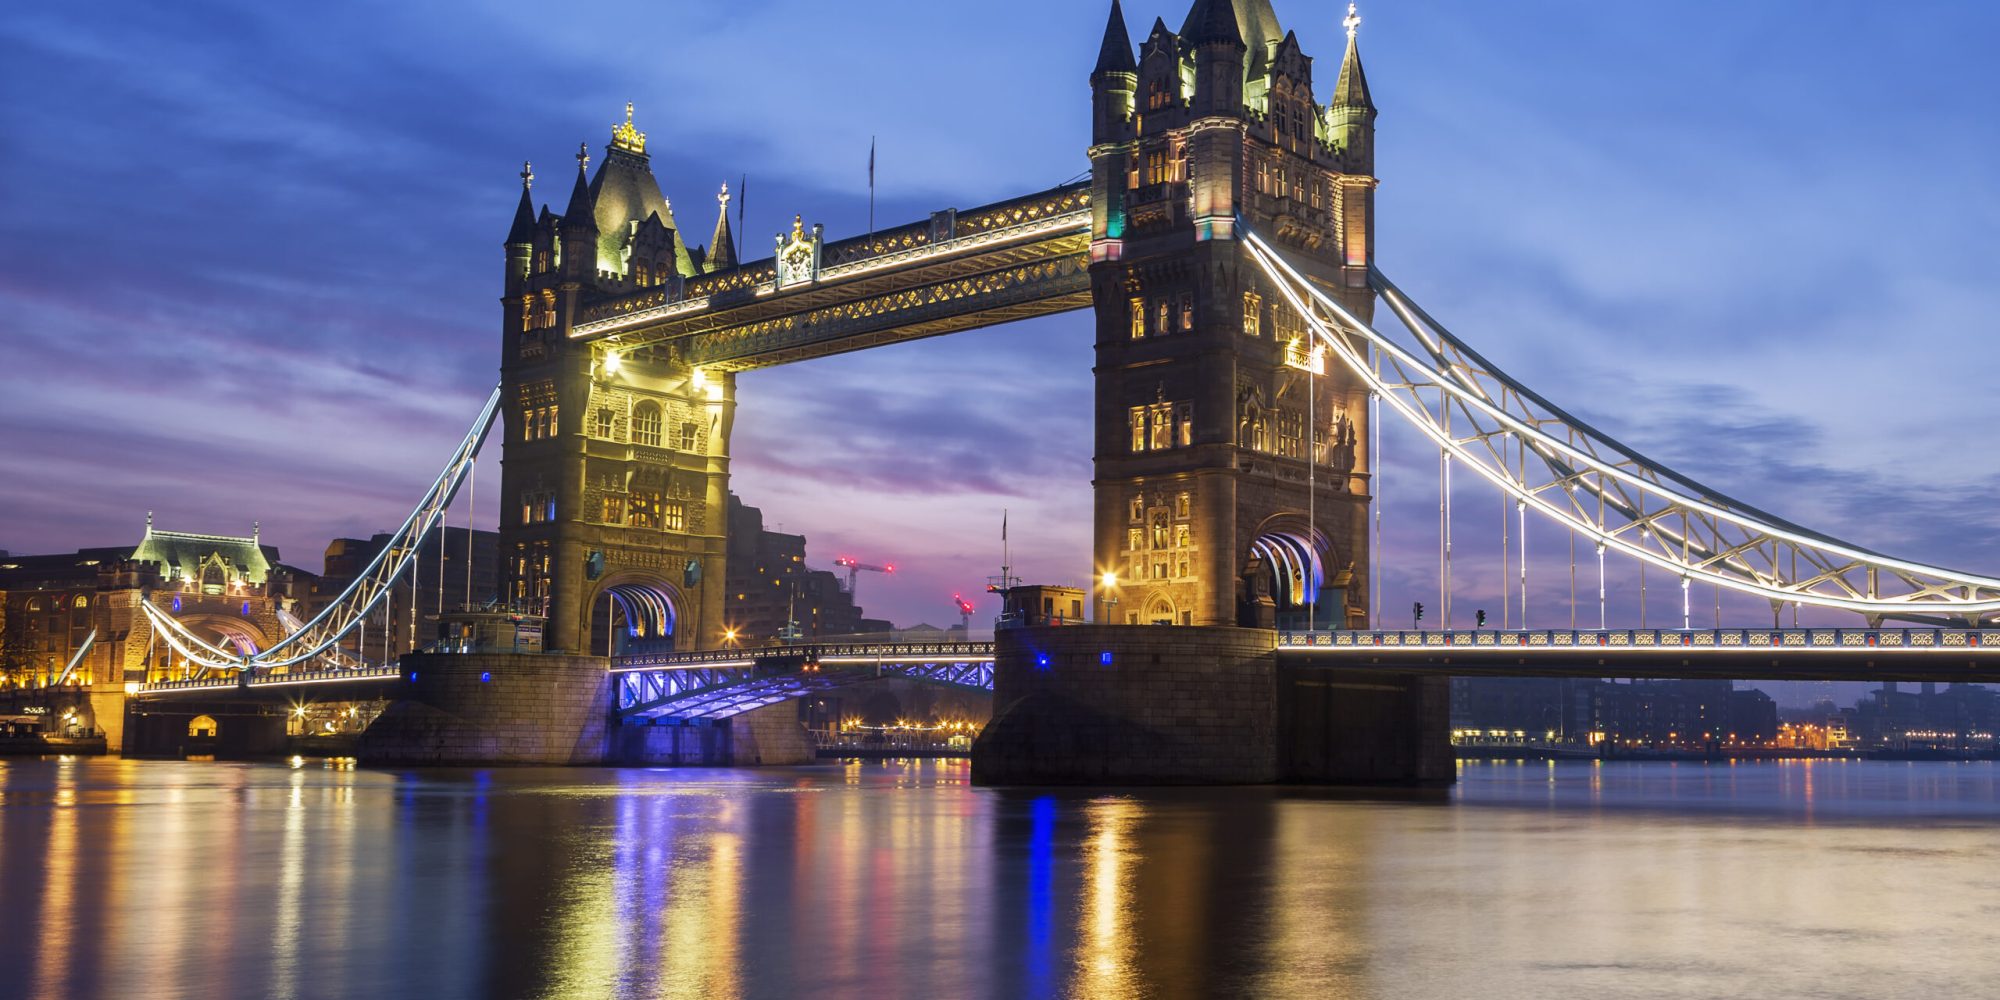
[
  {"x": 1575, "y": 475},
  {"x": 697, "y": 693}
]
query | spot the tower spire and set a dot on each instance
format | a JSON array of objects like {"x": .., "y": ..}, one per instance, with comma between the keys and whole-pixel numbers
[
  {"x": 722, "y": 249},
  {"x": 523, "y": 230},
  {"x": 1351, "y": 91},
  {"x": 1115, "y": 55},
  {"x": 582, "y": 210}
]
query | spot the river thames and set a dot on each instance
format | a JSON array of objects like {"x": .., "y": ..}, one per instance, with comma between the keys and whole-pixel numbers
[{"x": 164, "y": 879}]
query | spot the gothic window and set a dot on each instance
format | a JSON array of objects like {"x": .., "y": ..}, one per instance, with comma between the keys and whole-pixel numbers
[
  {"x": 646, "y": 424},
  {"x": 1138, "y": 438},
  {"x": 1187, "y": 311},
  {"x": 641, "y": 274},
  {"x": 1181, "y": 533},
  {"x": 527, "y": 313},
  {"x": 1253, "y": 314},
  {"x": 1184, "y": 573},
  {"x": 1160, "y": 570},
  {"x": 1161, "y": 534},
  {"x": 603, "y": 422},
  {"x": 1183, "y": 506},
  {"x": 1158, "y": 94},
  {"x": 676, "y": 516},
  {"x": 690, "y": 436},
  {"x": 1135, "y": 539},
  {"x": 614, "y": 509},
  {"x": 81, "y": 602},
  {"x": 643, "y": 510},
  {"x": 1291, "y": 434},
  {"x": 548, "y": 309},
  {"x": 1138, "y": 306},
  {"x": 542, "y": 261},
  {"x": 1138, "y": 509},
  {"x": 34, "y": 604},
  {"x": 527, "y": 508},
  {"x": 1164, "y": 322},
  {"x": 1156, "y": 167},
  {"x": 1184, "y": 424},
  {"x": 552, "y": 420}
]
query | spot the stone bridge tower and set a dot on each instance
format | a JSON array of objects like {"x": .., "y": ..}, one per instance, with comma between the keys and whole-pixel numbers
[
  {"x": 1232, "y": 468},
  {"x": 615, "y": 486}
]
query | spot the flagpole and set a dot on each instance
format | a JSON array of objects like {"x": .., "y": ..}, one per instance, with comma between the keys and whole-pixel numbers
[
  {"x": 742, "y": 201},
  {"x": 871, "y": 197}
]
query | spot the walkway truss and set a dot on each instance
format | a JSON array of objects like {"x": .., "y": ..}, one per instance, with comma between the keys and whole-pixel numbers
[
  {"x": 1582, "y": 479},
  {"x": 314, "y": 645}
]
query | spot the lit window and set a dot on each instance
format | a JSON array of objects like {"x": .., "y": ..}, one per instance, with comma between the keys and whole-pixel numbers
[
  {"x": 1183, "y": 505},
  {"x": 1138, "y": 436},
  {"x": 614, "y": 510},
  {"x": 1138, "y": 509},
  {"x": 548, "y": 309},
  {"x": 1187, "y": 311},
  {"x": 676, "y": 516},
  {"x": 603, "y": 422},
  {"x": 646, "y": 424},
  {"x": 641, "y": 274},
  {"x": 690, "y": 436},
  {"x": 1184, "y": 418},
  {"x": 1181, "y": 539},
  {"x": 1253, "y": 314},
  {"x": 1162, "y": 415},
  {"x": 1138, "y": 307},
  {"x": 527, "y": 312},
  {"x": 1164, "y": 323},
  {"x": 1135, "y": 539},
  {"x": 643, "y": 510}
]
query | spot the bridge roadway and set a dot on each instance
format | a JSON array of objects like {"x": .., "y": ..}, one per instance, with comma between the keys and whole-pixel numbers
[
  {"x": 1830, "y": 654},
  {"x": 372, "y": 682},
  {"x": 724, "y": 683}
]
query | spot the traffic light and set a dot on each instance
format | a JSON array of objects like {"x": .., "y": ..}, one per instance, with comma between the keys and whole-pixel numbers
[{"x": 1481, "y": 618}]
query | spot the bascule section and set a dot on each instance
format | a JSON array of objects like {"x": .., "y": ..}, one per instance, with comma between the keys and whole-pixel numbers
[{"x": 1232, "y": 466}]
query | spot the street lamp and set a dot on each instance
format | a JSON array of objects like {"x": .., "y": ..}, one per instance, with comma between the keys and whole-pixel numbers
[{"x": 1110, "y": 593}]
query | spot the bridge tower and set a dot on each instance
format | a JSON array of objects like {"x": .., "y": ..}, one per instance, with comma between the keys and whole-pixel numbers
[
  {"x": 1233, "y": 476},
  {"x": 616, "y": 481}
]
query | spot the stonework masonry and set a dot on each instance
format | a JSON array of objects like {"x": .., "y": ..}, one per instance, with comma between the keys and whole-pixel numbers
[
  {"x": 1143, "y": 705},
  {"x": 507, "y": 709}
]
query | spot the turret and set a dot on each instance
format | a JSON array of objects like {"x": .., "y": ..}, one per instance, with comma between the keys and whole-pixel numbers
[
  {"x": 722, "y": 249},
  {"x": 1350, "y": 112},
  {"x": 521, "y": 236},
  {"x": 1114, "y": 82},
  {"x": 1212, "y": 35},
  {"x": 579, "y": 224}
]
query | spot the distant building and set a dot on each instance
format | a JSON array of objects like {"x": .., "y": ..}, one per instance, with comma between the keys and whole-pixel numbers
[
  {"x": 1588, "y": 712},
  {"x": 231, "y": 590},
  {"x": 770, "y": 585}
]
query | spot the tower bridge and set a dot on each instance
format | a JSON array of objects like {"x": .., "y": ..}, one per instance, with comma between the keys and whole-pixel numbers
[{"x": 1225, "y": 244}]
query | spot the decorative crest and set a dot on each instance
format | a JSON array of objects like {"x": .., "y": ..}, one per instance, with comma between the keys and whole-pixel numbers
[
  {"x": 626, "y": 137},
  {"x": 1353, "y": 21},
  {"x": 527, "y": 175},
  {"x": 798, "y": 229},
  {"x": 724, "y": 196},
  {"x": 583, "y": 156}
]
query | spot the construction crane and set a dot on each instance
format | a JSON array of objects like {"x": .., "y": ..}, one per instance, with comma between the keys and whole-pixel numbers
[
  {"x": 964, "y": 612},
  {"x": 854, "y": 567}
]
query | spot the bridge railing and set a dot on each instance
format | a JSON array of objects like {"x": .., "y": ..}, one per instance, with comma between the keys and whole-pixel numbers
[
  {"x": 274, "y": 680},
  {"x": 1678, "y": 640},
  {"x": 859, "y": 652}
]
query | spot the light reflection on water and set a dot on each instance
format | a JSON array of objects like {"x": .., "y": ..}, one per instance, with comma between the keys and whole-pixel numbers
[{"x": 127, "y": 879}]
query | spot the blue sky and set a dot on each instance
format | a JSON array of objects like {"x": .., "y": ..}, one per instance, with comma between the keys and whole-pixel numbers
[{"x": 252, "y": 255}]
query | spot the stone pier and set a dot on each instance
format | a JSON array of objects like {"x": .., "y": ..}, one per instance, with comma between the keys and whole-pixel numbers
[
  {"x": 1142, "y": 705},
  {"x": 487, "y": 709}
]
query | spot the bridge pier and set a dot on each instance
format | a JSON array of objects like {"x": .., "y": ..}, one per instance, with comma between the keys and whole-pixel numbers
[
  {"x": 498, "y": 709},
  {"x": 1131, "y": 705}
]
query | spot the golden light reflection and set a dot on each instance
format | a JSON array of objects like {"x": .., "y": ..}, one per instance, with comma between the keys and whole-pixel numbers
[
  {"x": 55, "y": 930},
  {"x": 1105, "y": 953},
  {"x": 704, "y": 909}
]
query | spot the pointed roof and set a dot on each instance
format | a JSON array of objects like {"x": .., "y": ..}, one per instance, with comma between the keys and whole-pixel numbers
[
  {"x": 624, "y": 192},
  {"x": 1115, "y": 56},
  {"x": 523, "y": 230},
  {"x": 1213, "y": 21},
  {"x": 722, "y": 249},
  {"x": 1351, "y": 90},
  {"x": 581, "y": 212}
]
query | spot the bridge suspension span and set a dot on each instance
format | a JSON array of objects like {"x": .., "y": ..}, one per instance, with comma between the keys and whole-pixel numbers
[
  {"x": 316, "y": 640},
  {"x": 1579, "y": 477}
]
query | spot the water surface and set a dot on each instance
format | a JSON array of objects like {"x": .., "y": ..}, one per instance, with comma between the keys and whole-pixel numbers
[{"x": 124, "y": 879}]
